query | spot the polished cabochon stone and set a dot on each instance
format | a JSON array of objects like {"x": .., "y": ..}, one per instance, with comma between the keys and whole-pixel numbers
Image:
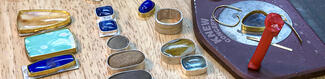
[
  {"x": 50, "y": 44},
  {"x": 146, "y": 6},
  {"x": 178, "y": 47},
  {"x": 104, "y": 11},
  {"x": 107, "y": 25},
  {"x": 194, "y": 62},
  {"x": 50, "y": 63},
  {"x": 30, "y": 22}
]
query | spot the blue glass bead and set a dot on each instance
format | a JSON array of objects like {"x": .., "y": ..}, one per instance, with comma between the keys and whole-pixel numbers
[
  {"x": 104, "y": 11},
  {"x": 107, "y": 25},
  {"x": 50, "y": 63},
  {"x": 146, "y": 6},
  {"x": 194, "y": 63}
]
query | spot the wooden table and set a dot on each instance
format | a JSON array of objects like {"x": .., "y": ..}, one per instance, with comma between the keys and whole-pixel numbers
[{"x": 93, "y": 51}]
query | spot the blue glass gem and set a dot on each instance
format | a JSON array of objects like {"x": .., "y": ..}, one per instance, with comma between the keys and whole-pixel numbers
[
  {"x": 104, "y": 11},
  {"x": 50, "y": 63},
  {"x": 146, "y": 6},
  {"x": 194, "y": 63},
  {"x": 256, "y": 19},
  {"x": 107, "y": 25}
]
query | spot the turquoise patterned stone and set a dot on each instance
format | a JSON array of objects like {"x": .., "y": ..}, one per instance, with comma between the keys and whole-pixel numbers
[{"x": 59, "y": 42}]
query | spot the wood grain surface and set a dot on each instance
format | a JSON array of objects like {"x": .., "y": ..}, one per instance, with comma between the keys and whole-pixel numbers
[{"x": 93, "y": 51}]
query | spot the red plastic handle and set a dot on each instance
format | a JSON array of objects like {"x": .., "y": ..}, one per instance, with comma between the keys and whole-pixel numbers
[{"x": 273, "y": 25}]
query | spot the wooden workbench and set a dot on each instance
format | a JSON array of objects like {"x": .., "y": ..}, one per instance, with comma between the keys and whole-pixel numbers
[{"x": 93, "y": 51}]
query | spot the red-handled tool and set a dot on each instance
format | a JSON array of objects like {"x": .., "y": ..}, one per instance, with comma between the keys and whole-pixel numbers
[{"x": 273, "y": 24}]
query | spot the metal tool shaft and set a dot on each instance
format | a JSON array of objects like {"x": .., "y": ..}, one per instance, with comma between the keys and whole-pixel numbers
[{"x": 273, "y": 44}]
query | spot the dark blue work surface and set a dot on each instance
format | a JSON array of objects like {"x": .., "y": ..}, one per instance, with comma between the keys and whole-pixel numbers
[{"x": 313, "y": 13}]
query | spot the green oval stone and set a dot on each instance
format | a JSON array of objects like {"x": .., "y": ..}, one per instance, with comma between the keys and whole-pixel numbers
[{"x": 178, "y": 47}]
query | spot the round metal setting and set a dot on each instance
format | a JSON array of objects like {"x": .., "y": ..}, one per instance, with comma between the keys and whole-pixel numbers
[
  {"x": 118, "y": 42},
  {"x": 173, "y": 50},
  {"x": 126, "y": 60},
  {"x": 105, "y": 12},
  {"x": 228, "y": 16},
  {"x": 132, "y": 74},
  {"x": 168, "y": 21},
  {"x": 253, "y": 22}
]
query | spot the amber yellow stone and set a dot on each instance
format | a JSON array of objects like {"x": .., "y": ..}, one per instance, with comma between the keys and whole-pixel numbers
[
  {"x": 178, "y": 47},
  {"x": 37, "y": 21}
]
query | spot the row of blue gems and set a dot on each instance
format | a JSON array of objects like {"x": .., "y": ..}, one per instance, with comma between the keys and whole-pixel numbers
[{"x": 106, "y": 23}]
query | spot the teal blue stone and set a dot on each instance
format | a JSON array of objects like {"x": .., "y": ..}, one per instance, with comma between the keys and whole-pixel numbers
[
  {"x": 194, "y": 63},
  {"x": 50, "y": 42}
]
